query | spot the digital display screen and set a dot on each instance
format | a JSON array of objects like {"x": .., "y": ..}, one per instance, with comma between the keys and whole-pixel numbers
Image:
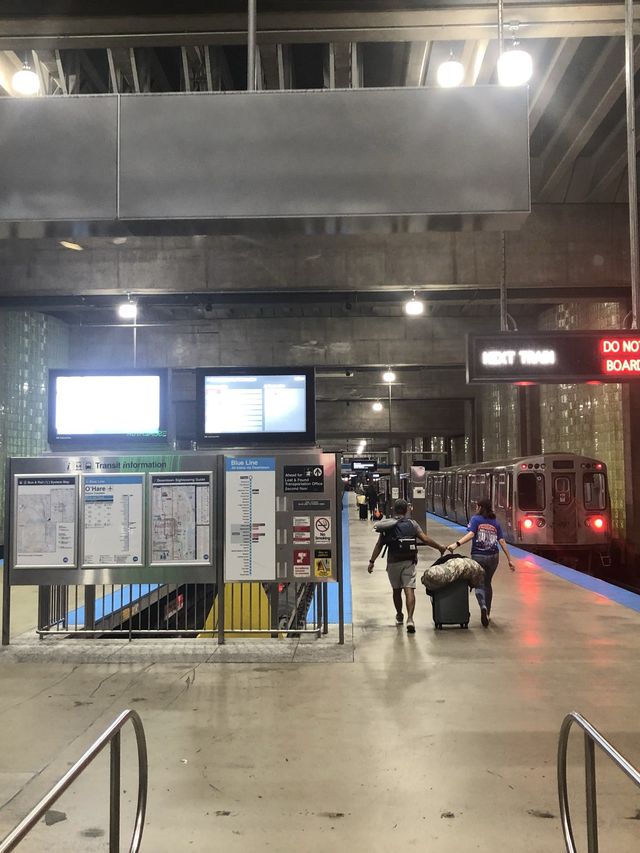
[
  {"x": 103, "y": 409},
  {"x": 548, "y": 357},
  {"x": 256, "y": 403},
  {"x": 364, "y": 465}
]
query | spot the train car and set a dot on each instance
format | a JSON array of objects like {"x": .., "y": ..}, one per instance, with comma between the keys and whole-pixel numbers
[{"x": 553, "y": 503}]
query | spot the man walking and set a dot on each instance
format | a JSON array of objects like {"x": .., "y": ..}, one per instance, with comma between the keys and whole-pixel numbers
[{"x": 402, "y": 560}]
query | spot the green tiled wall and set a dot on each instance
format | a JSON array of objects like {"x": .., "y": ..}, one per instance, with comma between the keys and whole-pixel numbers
[
  {"x": 585, "y": 418},
  {"x": 29, "y": 345},
  {"x": 499, "y": 413}
]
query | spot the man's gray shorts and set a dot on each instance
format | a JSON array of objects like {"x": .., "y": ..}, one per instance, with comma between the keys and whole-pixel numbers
[{"x": 402, "y": 575}]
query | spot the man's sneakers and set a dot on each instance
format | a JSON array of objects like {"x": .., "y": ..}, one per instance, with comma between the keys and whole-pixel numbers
[
  {"x": 411, "y": 628},
  {"x": 399, "y": 618},
  {"x": 484, "y": 617}
]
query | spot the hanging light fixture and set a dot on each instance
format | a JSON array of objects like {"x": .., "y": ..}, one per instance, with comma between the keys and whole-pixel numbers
[
  {"x": 414, "y": 307},
  {"x": 26, "y": 81},
  {"x": 515, "y": 65},
  {"x": 377, "y": 406},
  {"x": 450, "y": 73},
  {"x": 388, "y": 376},
  {"x": 69, "y": 244},
  {"x": 128, "y": 310}
]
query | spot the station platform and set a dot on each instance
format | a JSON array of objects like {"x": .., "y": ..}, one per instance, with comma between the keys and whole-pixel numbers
[{"x": 438, "y": 741}]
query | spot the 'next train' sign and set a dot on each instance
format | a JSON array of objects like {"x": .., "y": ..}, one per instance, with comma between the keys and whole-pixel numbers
[{"x": 570, "y": 357}]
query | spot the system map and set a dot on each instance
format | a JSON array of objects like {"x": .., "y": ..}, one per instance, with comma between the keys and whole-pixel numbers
[{"x": 180, "y": 526}]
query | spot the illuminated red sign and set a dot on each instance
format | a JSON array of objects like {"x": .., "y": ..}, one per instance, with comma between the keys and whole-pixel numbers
[{"x": 620, "y": 356}]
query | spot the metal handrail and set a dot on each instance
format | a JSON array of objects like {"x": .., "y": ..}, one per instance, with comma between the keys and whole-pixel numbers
[
  {"x": 109, "y": 736},
  {"x": 591, "y": 737}
]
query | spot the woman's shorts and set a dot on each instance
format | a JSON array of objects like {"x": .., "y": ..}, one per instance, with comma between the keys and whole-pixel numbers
[{"x": 402, "y": 575}]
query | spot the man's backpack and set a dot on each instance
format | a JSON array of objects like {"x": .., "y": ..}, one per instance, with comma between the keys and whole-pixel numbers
[{"x": 398, "y": 538}]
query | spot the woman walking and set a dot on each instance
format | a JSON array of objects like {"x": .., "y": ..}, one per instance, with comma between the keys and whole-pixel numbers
[{"x": 487, "y": 534}]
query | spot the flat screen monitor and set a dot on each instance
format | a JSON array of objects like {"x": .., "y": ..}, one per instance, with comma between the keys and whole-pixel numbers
[
  {"x": 240, "y": 407},
  {"x": 107, "y": 409}
]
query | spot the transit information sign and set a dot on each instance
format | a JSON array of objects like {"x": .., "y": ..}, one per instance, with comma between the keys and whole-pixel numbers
[{"x": 554, "y": 357}]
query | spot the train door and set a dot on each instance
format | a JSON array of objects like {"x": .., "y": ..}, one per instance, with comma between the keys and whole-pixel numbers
[
  {"x": 449, "y": 496},
  {"x": 461, "y": 515},
  {"x": 563, "y": 496}
]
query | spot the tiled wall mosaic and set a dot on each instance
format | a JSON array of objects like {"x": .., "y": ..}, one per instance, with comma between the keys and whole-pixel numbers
[
  {"x": 499, "y": 414},
  {"x": 584, "y": 418},
  {"x": 29, "y": 345}
]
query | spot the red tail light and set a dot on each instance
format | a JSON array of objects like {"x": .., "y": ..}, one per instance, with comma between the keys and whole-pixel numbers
[
  {"x": 527, "y": 523},
  {"x": 597, "y": 522}
]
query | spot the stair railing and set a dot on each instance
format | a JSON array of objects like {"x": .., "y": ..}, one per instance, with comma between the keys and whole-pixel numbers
[
  {"x": 592, "y": 737},
  {"x": 109, "y": 736}
]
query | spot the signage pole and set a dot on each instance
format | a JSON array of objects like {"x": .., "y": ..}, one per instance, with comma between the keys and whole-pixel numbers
[{"x": 631, "y": 162}]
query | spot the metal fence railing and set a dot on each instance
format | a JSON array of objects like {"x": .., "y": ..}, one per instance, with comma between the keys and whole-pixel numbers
[
  {"x": 110, "y": 736},
  {"x": 183, "y": 610},
  {"x": 592, "y": 737}
]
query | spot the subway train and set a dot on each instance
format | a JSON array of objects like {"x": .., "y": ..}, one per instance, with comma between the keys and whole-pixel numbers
[{"x": 554, "y": 504}]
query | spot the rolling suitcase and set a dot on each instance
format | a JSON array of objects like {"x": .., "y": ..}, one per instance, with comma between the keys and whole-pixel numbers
[
  {"x": 451, "y": 605},
  {"x": 363, "y": 510}
]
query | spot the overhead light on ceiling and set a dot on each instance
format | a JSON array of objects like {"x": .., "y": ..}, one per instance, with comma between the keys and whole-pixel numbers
[
  {"x": 414, "y": 307},
  {"x": 450, "y": 73},
  {"x": 363, "y": 442},
  {"x": 26, "y": 81},
  {"x": 119, "y": 241},
  {"x": 515, "y": 65},
  {"x": 388, "y": 376},
  {"x": 75, "y": 247},
  {"x": 128, "y": 310},
  {"x": 377, "y": 406}
]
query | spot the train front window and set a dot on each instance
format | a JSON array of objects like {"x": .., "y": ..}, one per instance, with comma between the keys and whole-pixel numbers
[
  {"x": 531, "y": 492},
  {"x": 595, "y": 491}
]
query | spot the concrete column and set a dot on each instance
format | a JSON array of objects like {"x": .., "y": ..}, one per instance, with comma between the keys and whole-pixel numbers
[
  {"x": 472, "y": 431},
  {"x": 529, "y": 433}
]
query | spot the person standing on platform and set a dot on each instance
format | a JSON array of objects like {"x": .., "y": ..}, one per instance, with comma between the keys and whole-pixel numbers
[
  {"x": 400, "y": 569},
  {"x": 487, "y": 534},
  {"x": 372, "y": 498}
]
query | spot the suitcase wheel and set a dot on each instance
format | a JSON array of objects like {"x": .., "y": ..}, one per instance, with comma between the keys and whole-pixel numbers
[
  {"x": 438, "y": 626},
  {"x": 464, "y": 624}
]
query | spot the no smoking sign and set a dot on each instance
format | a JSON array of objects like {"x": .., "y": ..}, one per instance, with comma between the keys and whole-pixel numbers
[{"x": 322, "y": 530}]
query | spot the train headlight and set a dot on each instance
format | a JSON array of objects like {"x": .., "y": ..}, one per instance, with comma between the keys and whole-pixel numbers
[
  {"x": 527, "y": 523},
  {"x": 541, "y": 522},
  {"x": 597, "y": 522}
]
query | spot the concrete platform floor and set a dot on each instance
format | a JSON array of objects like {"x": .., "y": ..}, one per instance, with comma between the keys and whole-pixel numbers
[{"x": 437, "y": 741}]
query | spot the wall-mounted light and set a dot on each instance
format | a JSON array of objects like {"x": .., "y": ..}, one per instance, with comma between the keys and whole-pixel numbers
[
  {"x": 388, "y": 376},
  {"x": 26, "y": 81},
  {"x": 414, "y": 307},
  {"x": 450, "y": 73},
  {"x": 75, "y": 247},
  {"x": 515, "y": 65},
  {"x": 377, "y": 406}
]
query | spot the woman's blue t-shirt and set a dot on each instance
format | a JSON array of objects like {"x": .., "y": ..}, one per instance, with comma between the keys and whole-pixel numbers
[{"x": 486, "y": 533}]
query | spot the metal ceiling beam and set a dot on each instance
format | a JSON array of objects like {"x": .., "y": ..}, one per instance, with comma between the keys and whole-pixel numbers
[
  {"x": 610, "y": 161},
  {"x": 474, "y": 21},
  {"x": 472, "y": 58},
  {"x": 459, "y": 295},
  {"x": 417, "y": 62},
  {"x": 599, "y": 91},
  {"x": 552, "y": 73}
]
